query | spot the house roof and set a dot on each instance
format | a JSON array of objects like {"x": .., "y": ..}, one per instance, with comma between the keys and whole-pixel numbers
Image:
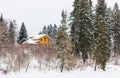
[
  {"x": 33, "y": 39},
  {"x": 39, "y": 36},
  {"x": 30, "y": 41}
]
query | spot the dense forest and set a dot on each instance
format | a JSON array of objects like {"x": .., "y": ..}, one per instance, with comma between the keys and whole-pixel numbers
[{"x": 89, "y": 36}]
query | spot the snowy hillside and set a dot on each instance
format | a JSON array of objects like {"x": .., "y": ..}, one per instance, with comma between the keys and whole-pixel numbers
[
  {"x": 41, "y": 62},
  {"x": 112, "y": 72}
]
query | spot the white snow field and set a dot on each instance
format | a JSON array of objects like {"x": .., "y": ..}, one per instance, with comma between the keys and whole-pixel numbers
[{"x": 112, "y": 71}]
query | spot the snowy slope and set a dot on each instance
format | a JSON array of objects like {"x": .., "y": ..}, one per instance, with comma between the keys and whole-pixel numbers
[{"x": 112, "y": 72}]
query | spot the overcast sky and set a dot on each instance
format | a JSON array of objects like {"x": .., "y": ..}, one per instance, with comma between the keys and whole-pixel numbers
[{"x": 37, "y": 13}]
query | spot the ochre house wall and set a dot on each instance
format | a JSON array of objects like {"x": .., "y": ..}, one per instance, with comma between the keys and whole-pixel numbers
[{"x": 45, "y": 42}]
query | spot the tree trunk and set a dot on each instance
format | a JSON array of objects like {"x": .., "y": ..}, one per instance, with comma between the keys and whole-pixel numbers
[
  {"x": 95, "y": 66},
  {"x": 62, "y": 66},
  {"x": 27, "y": 66},
  {"x": 19, "y": 61}
]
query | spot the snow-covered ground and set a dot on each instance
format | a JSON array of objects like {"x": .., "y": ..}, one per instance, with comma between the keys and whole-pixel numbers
[{"x": 112, "y": 71}]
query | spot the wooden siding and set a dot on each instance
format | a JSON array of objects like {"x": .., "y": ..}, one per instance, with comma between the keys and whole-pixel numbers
[{"x": 45, "y": 40}]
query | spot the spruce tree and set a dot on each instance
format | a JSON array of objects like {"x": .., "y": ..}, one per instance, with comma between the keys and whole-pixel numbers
[
  {"x": 109, "y": 20},
  {"x": 91, "y": 18},
  {"x": 55, "y": 30},
  {"x": 74, "y": 18},
  {"x": 101, "y": 53},
  {"x": 12, "y": 33},
  {"x": 116, "y": 28},
  {"x": 66, "y": 60},
  {"x": 1, "y": 18},
  {"x": 75, "y": 22},
  {"x": 4, "y": 37},
  {"x": 50, "y": 30},
  {"x": 61, "y": 41},
  {"x": 44, "y": 31},
  {"x": 22, "y": 34},
  {"x": 82, "y": 28}
]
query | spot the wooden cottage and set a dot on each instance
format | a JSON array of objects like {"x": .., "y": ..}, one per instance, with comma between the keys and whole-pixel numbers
[{"x": 40, "y": 39}]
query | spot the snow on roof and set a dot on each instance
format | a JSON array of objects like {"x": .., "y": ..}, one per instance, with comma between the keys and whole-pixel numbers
[
  {"x": 39, "y": 36},
  {"x": 30, "y": 41}
]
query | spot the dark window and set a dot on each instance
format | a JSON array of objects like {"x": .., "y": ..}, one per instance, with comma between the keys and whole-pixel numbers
[
  {"x": 41, "y": 39},
  {"x": 45, "y": 39}
]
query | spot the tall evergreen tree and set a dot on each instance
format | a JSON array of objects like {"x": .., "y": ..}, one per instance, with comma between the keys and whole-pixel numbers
[
  {"x": 101, "y": 53},
  {"x": 81, "y": 27},
  {"x": 61, "y": 40},
  {"x": 55, "y": 30},
  {"x": 49, "y": 30},
  {"x": 85, "y": 29},
  {"x": 66, "y": 60},
  {"x": 116, "y": 28},
  {"x": 22, "y": 34},
  {"x": 91, "y": 18},
  {"x": 44, "y": 31},
  {"x": 12, "y": 33},
  {"x": 74, "y": 24},
  {"x": 1, "y": 18},
  {"x": 3, "y": 30},
  {"x": 109, "y": 20}
]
